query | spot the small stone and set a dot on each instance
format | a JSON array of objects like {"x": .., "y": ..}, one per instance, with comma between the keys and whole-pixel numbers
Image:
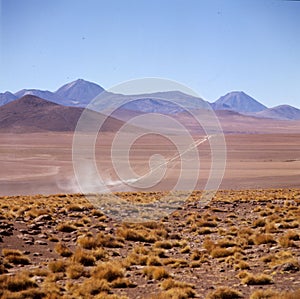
[
  {"x": 23, "y": 231},
  {"x": 28, "y": 242},
  {"x": 34, "y": 226},
  {"x": 43, "y": 218},
  {"x": 34, "y": 232},
  {"x": 40, "y": 242},
  {"x": 288, "y": 267},
  {"x": 42, "y": 236},
  {"x": 37, "y": 254}
]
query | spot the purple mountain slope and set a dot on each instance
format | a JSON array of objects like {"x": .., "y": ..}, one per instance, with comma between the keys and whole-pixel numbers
[{"x": 238, "y": 101}]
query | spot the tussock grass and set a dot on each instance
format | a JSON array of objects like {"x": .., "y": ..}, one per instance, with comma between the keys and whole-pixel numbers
[
  {"x": 273, "y": 294},
  {"x": 91, "y": 287},
  {"x": 16, "y": 283},
  {"x": 63, "y": 250},
  {"x": 87, "y": 242},
  {"x": 257, "y": 279},
  {"x": 170, "y": 283},
  {"x": 263, "y": 239},
  {"x": 57, "y": 266},
  {"x": 176, "y": 293},
  {"x": 15, "y": 256},
  {"x": 224, "y": 293},
  {"x": 75, "y": 271},
  {"x": 157, "y": 273},
  {"x": 66, "y": 227},
  {"x": 137, "y": 235},
  {"x": 108, "y": 271},
  {"x": 83, "y": 257}
]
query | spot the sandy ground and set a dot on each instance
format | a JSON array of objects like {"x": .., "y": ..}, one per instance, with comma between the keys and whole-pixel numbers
[{"x": 41, "y": 163}]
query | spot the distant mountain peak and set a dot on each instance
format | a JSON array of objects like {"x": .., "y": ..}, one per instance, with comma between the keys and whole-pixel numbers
[
  {"x": 7, "y": 97},
  {"x": 79, "y": 91},
  {"x": 238, "y": 101},
  {"x": 284, "y": 112}
]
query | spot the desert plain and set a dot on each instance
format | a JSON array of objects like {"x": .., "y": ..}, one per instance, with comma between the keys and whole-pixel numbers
[{"x": 242, "y": 244}]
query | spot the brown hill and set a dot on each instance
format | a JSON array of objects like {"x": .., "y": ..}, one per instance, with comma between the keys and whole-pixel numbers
[{"x": 33, "y": 114}]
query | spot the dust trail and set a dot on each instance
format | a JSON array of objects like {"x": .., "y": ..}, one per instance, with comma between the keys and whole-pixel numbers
[{"x": 176, "y": 156}]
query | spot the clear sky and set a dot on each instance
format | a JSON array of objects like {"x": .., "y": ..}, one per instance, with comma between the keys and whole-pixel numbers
[{"x": 211, "y": 46}]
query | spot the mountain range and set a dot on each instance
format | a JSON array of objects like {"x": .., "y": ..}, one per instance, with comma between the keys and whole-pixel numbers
[
  {"x": 33, "y": 114},
  {"x": 79, "y": 94}
]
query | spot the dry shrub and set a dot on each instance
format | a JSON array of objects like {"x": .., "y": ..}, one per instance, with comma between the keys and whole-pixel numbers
[
  {"x": 66, "y": 227},
  {"x": 97, "y": 213},
  {"x": 208, "y": 244},
  {"x": 164, "y": 244},
  {"x": 99, "y": 254},
  {"x": 258, "y": 279},
  {"x": 91, "y": 287},
  {"x": 109, "y": 296},
  {"x": 122, "y": 283},
  {"x": 176, "y": 263},
  {"x": 16, "y": 283},
  {"x": 204, "y": 231},
  {"x": 185, "y": 249},
  {"x": 219, "y": 252},
  {"x": 153, "y": 261},
  {"x": 74, "y": 271},
  {"x": 176, "y": 293},
  {"x": 7, "y": 251},
  {"x": 225, "y": 243},
  {"x": 18, "y": 260},
  {"x": 87, "y": 242},
  {"x": 279, "y": 258},
  {"x": 15, "y": 256},
  {"x": 287, "y": 240},
  {"x": 63, "y": 250},
  {"x": 289, "y": 295},
  {"x": 260, "y": 222},
  {"x": 75, "y": 208},
  {"x": 272, "y": 294},
  {"x": 157, "y": 273},
  {"x": 206, "y": 223},
  {"x": 57, "y": 266},
  {"x": 83, "y": 257},
  {"x": 263, "y": 239},
  {"x": 264, "y": 294},
  {"x": 140, "y": 249},
  {"x": 271, "y": 227},
  {"x": 242, "y": 265},
  {"x": 52, "y": 238},
  {"x": 137, "y": 235},
  {"x": 170, "y": 283},
  {"x": 35, "y": 212},
  {"x": 135, "y": 259},
  {"x": 107, "y": 240},
  {"x": 196, "y": 255},
  {"x": 108, "y": 271},
  {"x": 224, "y": 293}
]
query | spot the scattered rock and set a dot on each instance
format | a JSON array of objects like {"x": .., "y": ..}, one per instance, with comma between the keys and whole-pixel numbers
[
  {"x": 40, "y": 242},
  {"x": 288, "y": 267},
  {"x": 37, "y": 254},
  {"x": 44, "y": 217}
]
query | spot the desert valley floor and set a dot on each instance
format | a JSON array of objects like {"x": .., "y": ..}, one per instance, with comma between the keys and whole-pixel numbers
[
  {"x": 42, "y": 162},
  {"x": 243, "y": 244}
]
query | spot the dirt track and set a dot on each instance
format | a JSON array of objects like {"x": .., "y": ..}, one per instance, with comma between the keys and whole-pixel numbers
[{"x": 42, "y": 162}]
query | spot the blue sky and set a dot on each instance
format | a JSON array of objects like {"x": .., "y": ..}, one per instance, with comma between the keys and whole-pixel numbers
[{"x": 210, "y": 46}]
